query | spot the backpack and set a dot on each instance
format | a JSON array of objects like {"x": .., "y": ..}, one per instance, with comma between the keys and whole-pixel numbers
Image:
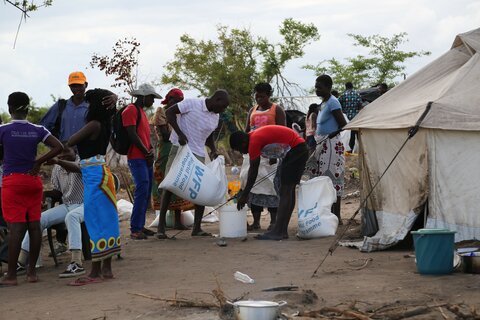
[
  {"x": 62, "y": 103},
  {"x": 119, "y": 138}
]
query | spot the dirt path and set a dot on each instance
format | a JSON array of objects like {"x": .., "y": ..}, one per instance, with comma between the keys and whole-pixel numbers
[{"x": 190, "y": 267}]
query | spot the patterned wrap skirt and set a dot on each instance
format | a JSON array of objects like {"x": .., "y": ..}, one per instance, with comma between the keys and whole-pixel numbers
[
  {"x": 100, "y": 206},
  {"x": 328, "y": 160}
]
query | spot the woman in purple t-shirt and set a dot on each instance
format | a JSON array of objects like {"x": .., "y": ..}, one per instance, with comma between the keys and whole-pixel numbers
[{"x": 22, "y": 188}]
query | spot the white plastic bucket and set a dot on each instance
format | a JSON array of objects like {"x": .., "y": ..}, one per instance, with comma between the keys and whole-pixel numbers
[{"x": 233, "y": 223}]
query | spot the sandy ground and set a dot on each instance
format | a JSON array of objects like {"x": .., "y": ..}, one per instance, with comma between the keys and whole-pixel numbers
[{"x": 191, "y": 268}]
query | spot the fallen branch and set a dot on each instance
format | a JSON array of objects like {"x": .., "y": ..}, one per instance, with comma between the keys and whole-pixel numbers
[
  {"x": 333, "y": 311},
  {"x": 356, "y": 315},
  {"x": 455, "y": 309},
  {"x": 405, "y": 313},
  {"x": 179, "y": 302}
]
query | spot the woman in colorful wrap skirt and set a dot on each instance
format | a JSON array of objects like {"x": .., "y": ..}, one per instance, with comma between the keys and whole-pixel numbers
[{"x": 101, "y": 217}]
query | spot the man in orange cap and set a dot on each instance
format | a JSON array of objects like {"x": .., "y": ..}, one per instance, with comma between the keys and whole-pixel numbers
[{"x": 66, "y": 117}]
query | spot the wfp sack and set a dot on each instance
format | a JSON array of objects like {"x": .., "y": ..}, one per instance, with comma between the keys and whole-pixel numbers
[
  {"x": 345, "y": 135},
  {"x": 267, "y": 185},
  {"x": 124, "y": 209},
  {"x": 189, "y": 179},
  {"x": 315, "y": 199}
]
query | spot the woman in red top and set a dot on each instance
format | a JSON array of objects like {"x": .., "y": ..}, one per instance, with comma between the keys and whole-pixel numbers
[{"x": 265, "y": 194}]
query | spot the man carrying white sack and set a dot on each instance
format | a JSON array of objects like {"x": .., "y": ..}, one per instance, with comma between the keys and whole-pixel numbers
[{"x": 193, "y": 122}]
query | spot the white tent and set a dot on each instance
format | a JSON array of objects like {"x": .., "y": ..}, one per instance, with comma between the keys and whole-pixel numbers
[{"x": 440, "y": 163}]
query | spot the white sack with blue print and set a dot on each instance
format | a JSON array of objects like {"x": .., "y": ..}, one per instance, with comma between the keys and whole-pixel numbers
[
  {"x": 188, "y": 178},
  {"x": 315, "y": 199}
]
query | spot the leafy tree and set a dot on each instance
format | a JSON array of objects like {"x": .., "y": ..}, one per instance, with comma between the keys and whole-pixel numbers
[
  {"x": 122, "y": 64},
  {"x": 296, "y": 36},
  {"x": 384, "y": 62},
  {"x": 230, "y": 63},
  {"x": 236, "y": 60}
]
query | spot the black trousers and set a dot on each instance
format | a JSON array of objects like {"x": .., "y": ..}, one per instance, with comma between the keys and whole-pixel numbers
[{"x": 353, "y": 136}]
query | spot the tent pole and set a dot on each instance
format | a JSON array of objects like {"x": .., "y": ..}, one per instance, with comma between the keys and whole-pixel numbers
[{"x": 425, "y": 214}]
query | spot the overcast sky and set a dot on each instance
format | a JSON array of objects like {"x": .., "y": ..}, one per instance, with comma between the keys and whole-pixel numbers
[{"x": 61, "y": 38}]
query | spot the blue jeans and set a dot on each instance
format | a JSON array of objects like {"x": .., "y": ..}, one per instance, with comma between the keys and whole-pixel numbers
[
  {"x": 71, "y": 214},
  {"x": 143, "y": 177}
]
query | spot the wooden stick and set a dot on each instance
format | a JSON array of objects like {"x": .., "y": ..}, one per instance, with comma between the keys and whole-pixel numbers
[
  {"x": 179, "y": 302},
  {"x": 127, "y": 186},
  {"x": 356, "y": 315},
  {"x": 407, "y": 314},
  {"x": 443, "y": 313}
]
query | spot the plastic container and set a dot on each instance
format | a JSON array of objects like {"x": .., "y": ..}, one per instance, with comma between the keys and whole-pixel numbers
[
  {"x": 242, "y": 277},
  {"x": 434, "y": 249},
  {"x": 233, "y": 223},
  {"x": 170, "y": 219}
]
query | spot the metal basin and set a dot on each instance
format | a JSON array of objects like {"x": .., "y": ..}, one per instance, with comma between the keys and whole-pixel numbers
[{"x": 257, "y": 310}]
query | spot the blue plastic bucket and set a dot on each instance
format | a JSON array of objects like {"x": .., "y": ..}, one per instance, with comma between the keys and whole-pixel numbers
[{"x": 434, "y": 250}]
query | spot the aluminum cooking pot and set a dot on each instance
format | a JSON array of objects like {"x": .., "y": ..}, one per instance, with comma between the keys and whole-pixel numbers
[{"x": 257, "y": 310}]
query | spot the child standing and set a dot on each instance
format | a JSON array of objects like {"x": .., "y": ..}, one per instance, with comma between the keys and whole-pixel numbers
[
  {"x": 22, "y": 187},
  {"x": 100, "y": 203}
]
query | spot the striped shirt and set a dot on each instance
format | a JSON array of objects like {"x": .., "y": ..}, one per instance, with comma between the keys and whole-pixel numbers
[
  {"x": 197, "y": 123},
  {"x": 70, "y": 184}
]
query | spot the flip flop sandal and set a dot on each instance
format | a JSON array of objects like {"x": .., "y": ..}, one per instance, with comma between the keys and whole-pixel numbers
[{"x": 84, "y": 281}]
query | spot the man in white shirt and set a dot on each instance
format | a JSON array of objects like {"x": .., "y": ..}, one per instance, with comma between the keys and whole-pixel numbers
[{"x": 193, "y": 122}]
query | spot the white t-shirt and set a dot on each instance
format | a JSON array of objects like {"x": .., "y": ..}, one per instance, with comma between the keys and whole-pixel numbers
[{"x": 197, "y": 123}]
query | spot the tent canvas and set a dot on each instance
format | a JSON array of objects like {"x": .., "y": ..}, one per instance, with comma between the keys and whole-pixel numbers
[{"x": 440, "y": 163}]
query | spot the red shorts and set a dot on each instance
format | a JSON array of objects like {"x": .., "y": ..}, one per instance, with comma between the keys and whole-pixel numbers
[{"x": 21, "y": 198}]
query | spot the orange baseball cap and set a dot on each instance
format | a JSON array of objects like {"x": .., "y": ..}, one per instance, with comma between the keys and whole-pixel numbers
[{"x": 77, "y": 77}]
